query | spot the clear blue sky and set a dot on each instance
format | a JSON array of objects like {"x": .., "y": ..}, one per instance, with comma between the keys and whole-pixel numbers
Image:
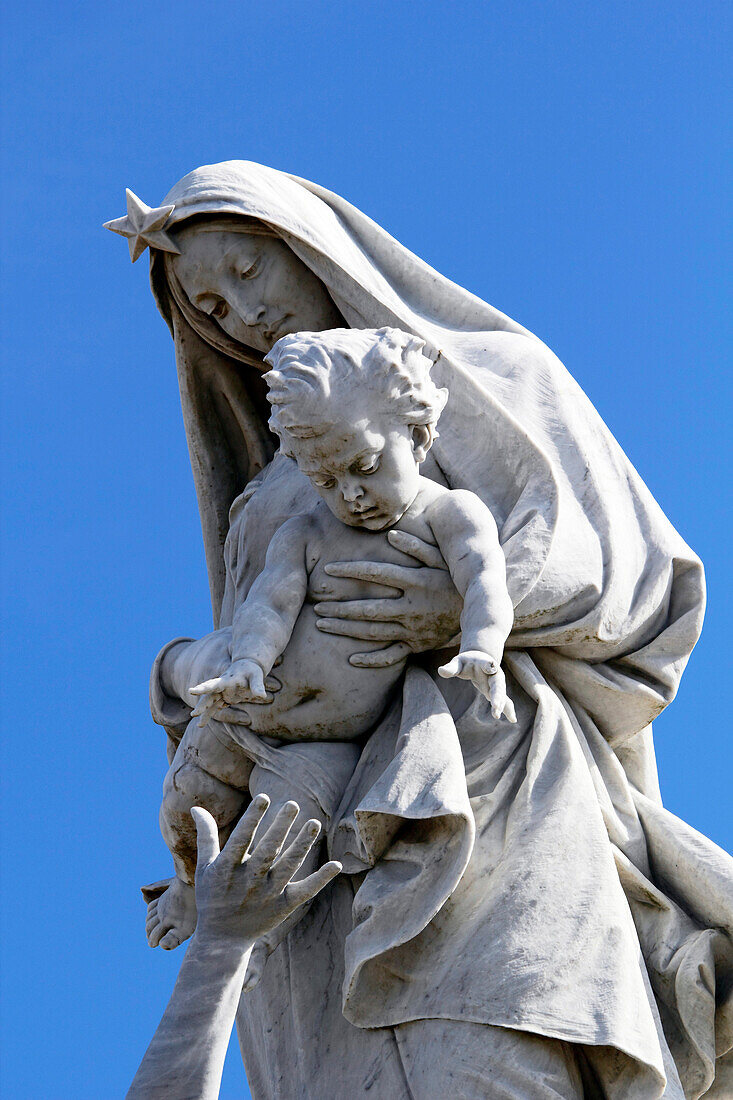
[{"x": 563, "y": 160}]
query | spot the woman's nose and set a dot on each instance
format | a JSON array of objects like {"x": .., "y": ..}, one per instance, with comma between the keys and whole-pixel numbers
[
  {"x": 252, "y": 313},
  {"x": 351, "y": 491}
]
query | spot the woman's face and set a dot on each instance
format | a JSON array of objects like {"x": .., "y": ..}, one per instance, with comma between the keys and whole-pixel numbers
[{"x": 253, "y": 286}]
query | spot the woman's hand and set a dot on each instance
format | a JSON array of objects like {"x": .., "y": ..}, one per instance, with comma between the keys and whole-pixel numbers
[
  {"x": 424, "y": 615},
  {"x": 243, "y": 892}
]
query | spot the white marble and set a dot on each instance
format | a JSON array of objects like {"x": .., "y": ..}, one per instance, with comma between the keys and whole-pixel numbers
[
  {"x": 242, "y": 893},
  {"x": 497, "y": 875}
]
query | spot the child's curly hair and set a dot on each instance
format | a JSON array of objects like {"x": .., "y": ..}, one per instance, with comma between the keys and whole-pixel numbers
[{"x": 318, "y": 379}]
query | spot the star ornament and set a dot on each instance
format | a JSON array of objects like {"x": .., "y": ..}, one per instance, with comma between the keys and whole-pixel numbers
[{"x": 143, "y": 226}]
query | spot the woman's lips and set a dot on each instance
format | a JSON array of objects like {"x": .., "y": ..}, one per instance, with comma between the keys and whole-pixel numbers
[{"x": 274, "y": 332}]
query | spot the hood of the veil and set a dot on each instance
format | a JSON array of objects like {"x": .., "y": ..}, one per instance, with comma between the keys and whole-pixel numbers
[
  {"x": 374, "y": 281},
  {"x": 594, "y": 568}
]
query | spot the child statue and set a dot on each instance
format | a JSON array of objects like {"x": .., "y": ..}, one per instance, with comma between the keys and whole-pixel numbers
[{"x": 357, "y": 410}]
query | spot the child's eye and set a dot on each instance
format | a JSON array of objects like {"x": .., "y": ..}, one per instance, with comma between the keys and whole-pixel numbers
[
  {"x": 323, "y": 481},
  {"x": 370, "y": 466}
]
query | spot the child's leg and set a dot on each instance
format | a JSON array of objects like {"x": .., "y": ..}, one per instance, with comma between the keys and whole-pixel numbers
[
  {"x": 315, "y": 775},
  {"x": 204, "y": 772}
]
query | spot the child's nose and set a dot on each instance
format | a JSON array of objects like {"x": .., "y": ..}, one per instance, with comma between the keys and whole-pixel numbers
[{"x": 351, "y": 491}]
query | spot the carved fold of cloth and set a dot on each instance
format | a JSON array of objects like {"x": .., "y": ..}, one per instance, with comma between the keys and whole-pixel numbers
[
  {"x": 486, "y": 891},
  {"x": 580, "y": 908},
  {"x": 494, "y": 895}
]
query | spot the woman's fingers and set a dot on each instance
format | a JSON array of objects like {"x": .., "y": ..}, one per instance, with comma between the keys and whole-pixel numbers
[
  {"x": 206, "y": 708},
  {"x": 363, "y": 610},
  {"x": 416, "y": 548},
  {"x": 235, "y": 715},
  {"x": 381, "y": 658},
  {"x": 299, "y": 892},
  {"x": 207, "y": 838},
  {"x": 295, "y": 854},
  {"x": 382, "y": 572},
  {"x": 365, "y": 632},
  {"x": 270, "y": 846},
  {"x": 240, "y": 841}
]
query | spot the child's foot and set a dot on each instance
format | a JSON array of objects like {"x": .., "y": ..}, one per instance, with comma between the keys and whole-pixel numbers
[{"x": 171, "y": 915}]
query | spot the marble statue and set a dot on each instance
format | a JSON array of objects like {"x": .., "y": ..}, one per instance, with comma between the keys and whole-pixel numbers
[
  {"x": 517, "y": 914},
  {"x": 367, "y": 474},
  {"x": 241, "y": 892}
]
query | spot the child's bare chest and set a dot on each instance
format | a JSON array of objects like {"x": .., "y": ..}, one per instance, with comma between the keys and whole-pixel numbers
[{"x": 335, "y": 542}]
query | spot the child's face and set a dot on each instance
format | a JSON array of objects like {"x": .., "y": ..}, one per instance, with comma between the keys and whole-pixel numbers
[{"x": 367, "y": 474}]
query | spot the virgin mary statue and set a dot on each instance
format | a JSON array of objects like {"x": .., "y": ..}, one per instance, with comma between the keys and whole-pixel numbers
[{"x": 518, "y": 884}]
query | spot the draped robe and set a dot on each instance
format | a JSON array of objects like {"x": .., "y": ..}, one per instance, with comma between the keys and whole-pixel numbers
[{"x": 527, "y": 876}]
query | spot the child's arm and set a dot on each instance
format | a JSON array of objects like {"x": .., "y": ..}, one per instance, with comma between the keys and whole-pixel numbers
[
  {"x": 263, "y": 624},
  {"x": 468, "y": 539}
]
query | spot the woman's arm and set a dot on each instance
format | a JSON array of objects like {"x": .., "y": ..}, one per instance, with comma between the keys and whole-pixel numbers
[
  {"x": 184, "y": 663},
  {"x": 240, "y": 896}
]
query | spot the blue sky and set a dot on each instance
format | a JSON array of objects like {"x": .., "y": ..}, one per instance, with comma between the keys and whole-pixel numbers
[{"x": 565, "y": 161}]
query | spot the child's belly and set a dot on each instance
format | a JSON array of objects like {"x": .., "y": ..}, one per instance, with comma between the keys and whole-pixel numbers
[{"x": 323, "y": 697}]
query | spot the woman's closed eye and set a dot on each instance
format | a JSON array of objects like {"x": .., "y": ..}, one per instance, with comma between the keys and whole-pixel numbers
[
  {"x": 252, "y": 270},
  {"x": 212, "y": 305}
]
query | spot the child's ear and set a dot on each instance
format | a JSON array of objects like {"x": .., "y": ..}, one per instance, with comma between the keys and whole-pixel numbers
[{"x": 422, "y": 440}]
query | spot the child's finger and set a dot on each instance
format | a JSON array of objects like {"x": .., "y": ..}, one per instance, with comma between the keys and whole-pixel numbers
[
  {"x": 453, "y": 668},
  {"x": 207, "y": 686},
  {"x": 297, "y": 893},
  {"x": 207, "y": 838},
  {"x": 257, "y": 683},
  {"x": 497, "y": 696},
  {"x": 509, "y": 710},
  {"x": 295, "y": 854},
  {"x": 238, "y": 845}
]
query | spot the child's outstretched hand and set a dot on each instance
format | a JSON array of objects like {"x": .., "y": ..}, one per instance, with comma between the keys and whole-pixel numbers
[
  {"x": 243, "y": 682},
  {"x": 485, "y": 674},
  {"x": 246, "y": 890}
]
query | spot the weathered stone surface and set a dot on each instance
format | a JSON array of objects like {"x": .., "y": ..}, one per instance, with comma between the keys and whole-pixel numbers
[{"x": 497, "y": 875}]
